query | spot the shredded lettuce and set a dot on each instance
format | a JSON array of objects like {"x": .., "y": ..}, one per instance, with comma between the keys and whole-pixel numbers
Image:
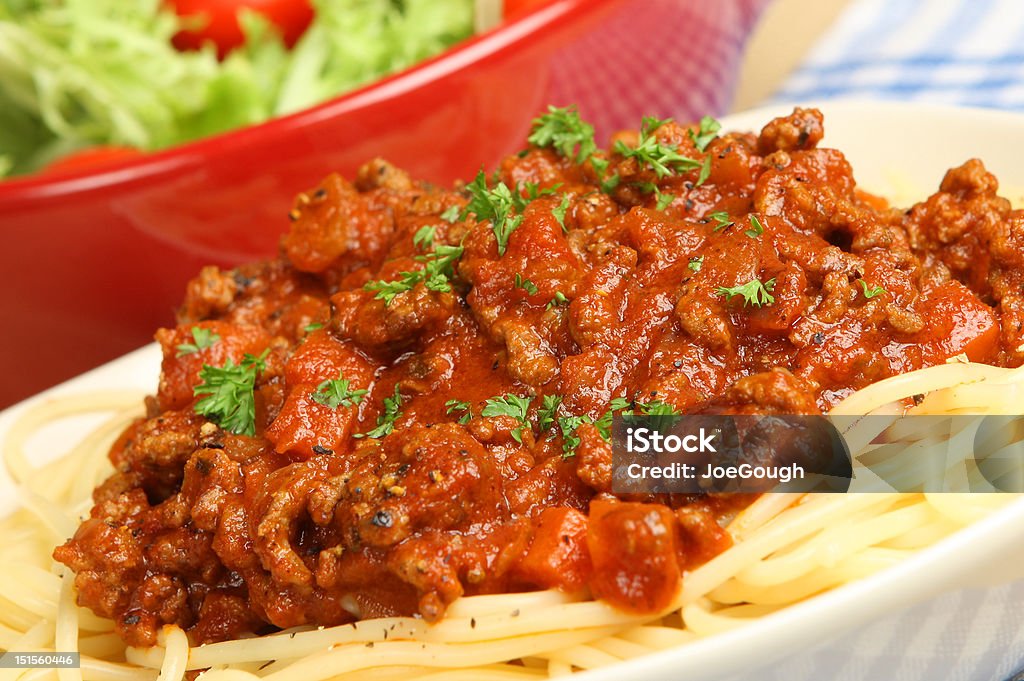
[{"x": 76, "y": 73}]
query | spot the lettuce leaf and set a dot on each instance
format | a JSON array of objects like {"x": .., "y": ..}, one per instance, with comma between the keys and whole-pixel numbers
[{"x": 76, "y": 73}]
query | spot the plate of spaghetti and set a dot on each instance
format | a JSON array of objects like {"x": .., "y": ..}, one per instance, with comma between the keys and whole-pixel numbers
[{"x": 385, "y": 453}]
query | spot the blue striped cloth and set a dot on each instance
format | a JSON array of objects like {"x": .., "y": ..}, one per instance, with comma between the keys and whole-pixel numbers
[{"x": 968, "y": 52}]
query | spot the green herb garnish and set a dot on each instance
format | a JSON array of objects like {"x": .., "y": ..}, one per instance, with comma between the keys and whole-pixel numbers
[
  {"x": 423, "y": 239},
  {"x": 495, "y": 205},
  {"x": 386, "y": 421},
  {"x": 563, "y": 130},
  {"x": 754, "y": 292},
  {"x": 696, "y": 262},
  {"x": 660, "y": 158},
  {"x": 509, "y": 405},
  {"x": 706, "y": 132},
  {"x": 455, "y": 406},
  {"x": 336, "y": 393},
  {"x": 560, "y": 210},
  {"x": 451, "y": 214},
  {"x": 721, "y": 219},
  {"x": 546, "y": 414},
  {"x": 436, "y": 275},
  {"x": 201, "y": 339},
  {"x": 526, "y": 285},
  {"x": 870, "y": 291},
  {"x": 228, "y": 394},
  {"x": 557, "y": 301},
  {"x": 756, "y": 228}
]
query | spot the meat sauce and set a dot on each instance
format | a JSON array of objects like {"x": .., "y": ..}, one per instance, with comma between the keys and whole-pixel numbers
[{"x": 601, "y": 290}]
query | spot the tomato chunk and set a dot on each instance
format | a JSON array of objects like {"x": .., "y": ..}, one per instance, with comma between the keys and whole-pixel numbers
[
  {"x": 633, "y": 549},
  {"x": 558, "y": 557},
  {"x": 306, "y": 427},
  {"x": 182, "y": 364}
]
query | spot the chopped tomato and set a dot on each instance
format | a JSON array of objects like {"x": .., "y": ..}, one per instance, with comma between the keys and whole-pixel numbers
[
  {"x": 633, "y": 552},
  {"x": 558, "y": 556},
  {"x": 220, "y": 21}
]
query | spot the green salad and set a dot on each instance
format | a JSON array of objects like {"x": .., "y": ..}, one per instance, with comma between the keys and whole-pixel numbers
[{"x": 79, "y": 73}]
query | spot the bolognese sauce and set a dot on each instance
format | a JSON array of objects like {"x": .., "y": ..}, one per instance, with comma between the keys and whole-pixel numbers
[{"x": 410, "y": 403}]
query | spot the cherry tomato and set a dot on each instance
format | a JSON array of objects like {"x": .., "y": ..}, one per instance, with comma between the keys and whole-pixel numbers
[
  {"x": 514, "y": 8},
  {"x": 93, "y": 156},
  {"x": 221, "y": 17}
]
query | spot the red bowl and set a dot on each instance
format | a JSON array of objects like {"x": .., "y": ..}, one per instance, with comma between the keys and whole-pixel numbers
[{"x": 96, "y": 260}]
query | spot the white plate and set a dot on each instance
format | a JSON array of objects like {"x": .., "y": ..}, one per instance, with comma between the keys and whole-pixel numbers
[{"x": 893, "y": 148}]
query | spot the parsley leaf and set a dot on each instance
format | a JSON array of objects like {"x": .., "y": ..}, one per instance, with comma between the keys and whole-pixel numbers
[
  {"x": 557, "y": 301},
  {"x": 721, "y": 218},
  {"x": 451, "y": 214},
  {"x": 533, "y": 192},
  {"x": 756, "y": 228},
  {"x": 509, "y": 405},
  {"x": 202, "y": 339},
  {"x": 560, "y": 210},
  {"x": 546, "y": 414},
  {"x": 753, "y": 292},
  {"x": 526, "y": 285},
  {"x": 563, "y": 130},
  {"x": 335, "y": 393},
  {"x": 608, "y": 185},
  {"x": 662, "y": 201},
  {"x": 310, "y": 328},
  {"x": 495, "y": 205},
  {"x": 621, "y": 404},
  {"x": 696, "y": 262},
  {"x": 660, "y": 158},
  {"x": 228, "y": 394},
  {"x": 438, "y": 270},
  {"x": 424, "y": 237},
  {"x": 706, "y": 132},
  {"x": 386, "y": 421},
  {"x": 570, "y": 440},
  {"x": 459, "y": 406},
  {"x": 705, "y": 171},
  {"x": 870, "y": 291},
  {"x": 604, "y": 424}
]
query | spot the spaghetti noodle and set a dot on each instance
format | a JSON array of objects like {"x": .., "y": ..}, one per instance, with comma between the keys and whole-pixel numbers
[{"x": 787, "y": 548}]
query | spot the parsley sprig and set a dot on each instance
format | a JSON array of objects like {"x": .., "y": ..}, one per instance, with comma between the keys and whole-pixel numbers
[
  {"x": 495, "y": 205},
  {"x": 706, "y": 131},
  {"x": 386, "y": 421},
  {"x": 525, "y": 284},
  {"x": 563, "y": 130},
  {"x": 336, "y": 393},
  {"x": 869, "y": 290},
  {"x": 227, "y": 391},
  {"x": 756, "y": 228},
  {"x": 201, "y": 339},
  {"x": 510, "y": 405},
  {"x": 437, "y": 273},
  {"x": 721, "y": 218},
  {"x": 558, "y": 301},
  {"x": 456, "y": 406},
  {"x": 559, "y": 212},
  {"x": 546, "y": 414},
  {"x": 754, "y": 292},
  {"x": 661, "y": 158}
]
